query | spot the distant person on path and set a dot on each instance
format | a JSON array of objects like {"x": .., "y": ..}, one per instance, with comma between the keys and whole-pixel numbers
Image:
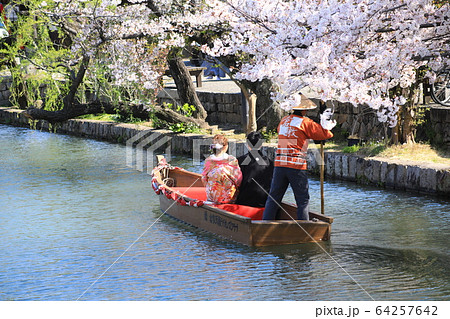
[
  {"x": 257, "y": 171},
  {"x": 294, "y": 131},
  {"x": 212, "y": 69},
  {"x": 221, "y": 174}
]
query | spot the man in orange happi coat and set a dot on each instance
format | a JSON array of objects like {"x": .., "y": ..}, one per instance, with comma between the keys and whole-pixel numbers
[{"x": 294, "y": 132}]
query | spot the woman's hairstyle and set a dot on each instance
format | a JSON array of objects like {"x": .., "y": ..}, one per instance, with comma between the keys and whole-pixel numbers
[{"x": 219, "y": 142}]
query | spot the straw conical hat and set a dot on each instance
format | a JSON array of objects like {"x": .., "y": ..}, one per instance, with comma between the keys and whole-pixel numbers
[{"x": 305, "y": 103}]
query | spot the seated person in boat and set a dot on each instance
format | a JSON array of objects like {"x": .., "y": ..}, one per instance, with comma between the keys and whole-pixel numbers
[
  {"x": 221, "y": 174},
  {"x": 257, "y": 171}
]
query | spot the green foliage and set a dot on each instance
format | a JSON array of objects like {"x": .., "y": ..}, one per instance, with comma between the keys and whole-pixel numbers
[
  {"x": 420, "y": 118},
  {"x": 43, "y": 65},
  {"x": 362, "y": 179},
  {"x": 127, "y": 118},
  {"x": 184, "y": 128},
  {"x": 101, "y": 117},
  {"x": 34, "y": 61},
  {"x": 371, "y": 148},
  {"x": 374, "y": 149},
  {"x": 156, "y": 122},
  {"x": 118, "y": 118},
  {"x": 269, "y": 135},
  {"x": 98, "y": 84},
  {"x": 121, "y": 139},
  {"x": 351, "y": 149},
  {"x": 440, "y": 3},
  {"x": 426, "y": 132},
  {"x": 34, "y": 83},
  {"x": 181, "y": 127},
  {"x": 186, "y": 109}
]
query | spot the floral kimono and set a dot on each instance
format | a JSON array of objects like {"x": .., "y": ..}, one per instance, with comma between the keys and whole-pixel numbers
[{"x": 222, "y": 177}]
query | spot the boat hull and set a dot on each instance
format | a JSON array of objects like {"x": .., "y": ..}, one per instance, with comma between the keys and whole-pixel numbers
[
  {"x": 234, "y": 227},
  {"x": 180, "y": 196},
  {"x": 244, "y": 230}
]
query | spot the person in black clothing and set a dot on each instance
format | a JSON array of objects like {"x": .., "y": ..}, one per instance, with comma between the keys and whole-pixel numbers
[{"x": 257, "y": 171}]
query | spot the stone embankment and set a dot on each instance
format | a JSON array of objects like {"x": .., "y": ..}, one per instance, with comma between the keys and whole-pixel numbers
[
  {"x": 222, "y": 108},
  {"x": 223, "y": 104},
  {"x": 5, "y": 85},
  {"x": 409, "y": 176}
]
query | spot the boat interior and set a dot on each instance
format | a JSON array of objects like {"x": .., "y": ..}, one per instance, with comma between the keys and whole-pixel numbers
[{"x": 190, "y": 185}]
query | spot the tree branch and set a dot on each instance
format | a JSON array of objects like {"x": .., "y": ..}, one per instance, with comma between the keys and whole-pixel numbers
[
  {"x": 422, "y": 26},
  {"x": 138, "y": 111},
  {"x": 69, "y": 98}
]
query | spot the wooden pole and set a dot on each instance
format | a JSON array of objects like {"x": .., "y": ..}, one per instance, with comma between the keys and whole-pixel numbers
[{"x": 322, "y": 175}]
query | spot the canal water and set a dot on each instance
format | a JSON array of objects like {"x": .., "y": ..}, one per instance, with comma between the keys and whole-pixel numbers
[{"x": 76, "y": 223}]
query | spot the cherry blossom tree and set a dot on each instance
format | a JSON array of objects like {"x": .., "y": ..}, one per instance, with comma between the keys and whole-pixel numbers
[
  {"x": 355, "y": 51},
  {"x": 358, "y": 51},
  {"x": 99, "y": 47}
]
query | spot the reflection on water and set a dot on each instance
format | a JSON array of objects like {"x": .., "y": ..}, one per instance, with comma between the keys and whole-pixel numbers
[{"x": 69, "y": 207}]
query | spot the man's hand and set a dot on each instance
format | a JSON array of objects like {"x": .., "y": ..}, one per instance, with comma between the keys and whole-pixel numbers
[{"x": 325, "y": 120}]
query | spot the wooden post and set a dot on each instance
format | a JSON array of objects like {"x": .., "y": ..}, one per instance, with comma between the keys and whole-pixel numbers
[{"x": 322, "y": 176}]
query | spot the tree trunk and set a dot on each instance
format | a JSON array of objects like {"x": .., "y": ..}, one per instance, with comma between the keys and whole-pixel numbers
[
  {"x": 70, "y": 108},
  {"x": 69, "y": 98},
  {"x": 66, "y": 113},
  {"x": 409, "y": 115},
  {"x": 408, "y": 125},
  {"x": 250, "y": 100},
  {"x": 174, "y": 117},
  {"x": 396, "y": 131},
  {"x": 268, "y": 114},
  {"x": 252, "y": 126},
  {"x": 185, "y": 86},
  {"x": 405, "y": 130},
  {"x": 138, "y": 111}
]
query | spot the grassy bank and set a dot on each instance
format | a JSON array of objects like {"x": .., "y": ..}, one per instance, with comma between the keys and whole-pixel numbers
[{"x": 418, "y": 152}]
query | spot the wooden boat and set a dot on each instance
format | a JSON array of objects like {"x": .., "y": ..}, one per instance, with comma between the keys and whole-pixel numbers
[{"x": 182, "y": 195}]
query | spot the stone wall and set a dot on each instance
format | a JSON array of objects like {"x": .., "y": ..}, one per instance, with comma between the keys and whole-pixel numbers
[
  {"x": 425, "y": 178},
  {"x": 358, "y": 121},
  {"x": 402, "y": 175},
  {"x": 437, "y": 128},
  {"x": 363, "y": 122},
  {"x": 5, "y": 84},
  {"x": 222, "y": 108},
  {"x": 225, "y": 108}
]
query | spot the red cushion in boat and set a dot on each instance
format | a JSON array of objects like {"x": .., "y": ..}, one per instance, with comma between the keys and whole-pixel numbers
[
  {"x": 192, "y": 192},
  {"x": 255, "y": 213}
]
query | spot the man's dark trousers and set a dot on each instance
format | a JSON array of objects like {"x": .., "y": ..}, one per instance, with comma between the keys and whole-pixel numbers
[{"x": 282, "y": 178}]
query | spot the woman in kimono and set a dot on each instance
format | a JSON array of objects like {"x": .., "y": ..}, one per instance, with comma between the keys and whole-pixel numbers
[{"x": 221, "y": 174}]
